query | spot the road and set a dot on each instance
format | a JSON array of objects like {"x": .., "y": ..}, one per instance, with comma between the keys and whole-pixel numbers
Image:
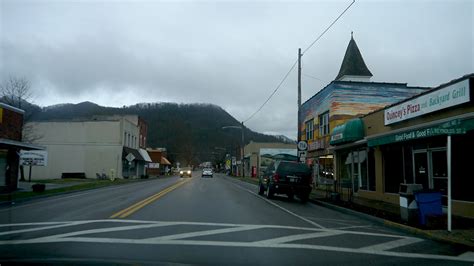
[{"x": 210, "y": 221}]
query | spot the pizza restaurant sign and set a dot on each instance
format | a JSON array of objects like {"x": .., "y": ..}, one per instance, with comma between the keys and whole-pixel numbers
[{"x": 447, "y": 97}]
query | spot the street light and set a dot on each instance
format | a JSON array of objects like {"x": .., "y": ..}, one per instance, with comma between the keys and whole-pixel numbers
[{"x": 242, "y": 144}]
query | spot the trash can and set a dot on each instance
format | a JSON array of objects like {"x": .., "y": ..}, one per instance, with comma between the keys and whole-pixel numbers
[
  {"x": 408, "y": 205},
  {"x": 429, "y": 203}
]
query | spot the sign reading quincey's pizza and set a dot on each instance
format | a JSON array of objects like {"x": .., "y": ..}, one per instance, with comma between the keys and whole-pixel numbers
[{"x": 452, "y": 95}]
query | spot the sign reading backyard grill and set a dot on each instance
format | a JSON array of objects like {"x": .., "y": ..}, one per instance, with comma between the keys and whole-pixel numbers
[
  {"x": 437, "y": 100},
  {"x": 37, "y": 158}
]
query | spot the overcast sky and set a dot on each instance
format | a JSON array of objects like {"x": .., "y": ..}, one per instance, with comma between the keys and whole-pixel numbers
[{"x": 229, "y": 53}]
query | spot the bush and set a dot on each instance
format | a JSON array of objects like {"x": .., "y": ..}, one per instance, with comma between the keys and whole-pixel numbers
[{"x": 144, "y": 176}]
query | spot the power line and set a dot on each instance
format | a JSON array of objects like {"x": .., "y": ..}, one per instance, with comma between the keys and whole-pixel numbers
[
  {"x": 273, "y": 93},
  {"x": 294, "y": 64},
  {"x": 330, "y": 25},
  {"x": 313, "y": 77}
]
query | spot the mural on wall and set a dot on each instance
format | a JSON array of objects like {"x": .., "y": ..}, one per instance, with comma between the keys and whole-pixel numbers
[{"x": 346, "y": 100}]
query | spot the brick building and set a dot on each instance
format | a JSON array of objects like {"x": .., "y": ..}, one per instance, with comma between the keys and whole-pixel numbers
[{"x": 11, "y": 127}]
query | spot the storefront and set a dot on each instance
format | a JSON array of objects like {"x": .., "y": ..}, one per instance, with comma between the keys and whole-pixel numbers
[
  {"x": 354, "y": 161},
  {"x": 423, "y": 140}
]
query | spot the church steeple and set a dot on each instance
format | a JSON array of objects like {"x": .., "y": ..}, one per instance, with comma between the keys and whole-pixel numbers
[{"x": 353, "y": 67}]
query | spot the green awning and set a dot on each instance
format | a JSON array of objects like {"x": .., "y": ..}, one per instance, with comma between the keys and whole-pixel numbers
[
  {"x": 350, "y": 131},
  {"x": 452, "y": 127}
]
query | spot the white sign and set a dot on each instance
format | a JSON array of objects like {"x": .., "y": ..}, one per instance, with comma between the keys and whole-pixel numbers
[
  {"x": 450, "y": 96},
  {"x": 37, "y": 158},
  {"x": 153, "y": 165},
  {"x": 302, "y": 154},
  {"x": 130, "y": 157},
  {"x": 337, "y": 136},
  {"x": 302, "y": 145}
]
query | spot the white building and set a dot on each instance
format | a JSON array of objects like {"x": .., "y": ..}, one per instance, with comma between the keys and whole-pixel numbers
[{"x": 91, "y": 147}]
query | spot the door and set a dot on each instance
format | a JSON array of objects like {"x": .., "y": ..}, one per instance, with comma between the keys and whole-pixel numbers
[
  {"x": 3, "y": 168},
  {"x": 439, "y": 172},
  {"x": 430, "y": 169},
  {"x": 420, "y": 168}
]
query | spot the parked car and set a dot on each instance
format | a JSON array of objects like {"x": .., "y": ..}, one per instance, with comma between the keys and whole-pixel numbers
[
  {"x": 186, "y": 171},
  {"x": 286, "y": 177},
  {"x": 207, "y": 172}
]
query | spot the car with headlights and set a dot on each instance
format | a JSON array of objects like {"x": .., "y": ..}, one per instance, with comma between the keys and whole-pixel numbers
[
  {"x": 286, "y": 177},
  {"x": 207, "y": 172},
  {"x": 186, "y": 172}
]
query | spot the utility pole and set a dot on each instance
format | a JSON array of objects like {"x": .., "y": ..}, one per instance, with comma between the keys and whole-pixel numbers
[
  {"x": 299, "y": 94},
  {"x": 242, "y": 151}
]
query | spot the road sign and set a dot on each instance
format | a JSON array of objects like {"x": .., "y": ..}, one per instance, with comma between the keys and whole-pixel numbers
[
  {"x": 36, "y": 158},
  {"x": 302, "y": 154},
  {"x": 130, "y": 157},
  {"x": 302, "y": 145}
]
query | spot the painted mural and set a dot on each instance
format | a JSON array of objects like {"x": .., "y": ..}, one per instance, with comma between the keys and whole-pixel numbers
[{"x": 346, "y": 100}]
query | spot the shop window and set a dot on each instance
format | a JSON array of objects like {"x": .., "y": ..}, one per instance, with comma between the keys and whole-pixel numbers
[
  {"x": 371, "y": 170},
  {"x": 309, "y": 129},
  {"x": 344, "y": 170},
  {"x": 462, "y": 167},
  {"x": 3, "y": 167},
  {"x": 356, "y": 171},
  {"x": 393, "y": 168},
  {"x": 324, "y": 124}
]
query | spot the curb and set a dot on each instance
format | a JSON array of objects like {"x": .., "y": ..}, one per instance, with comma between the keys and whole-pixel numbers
[
  {"x": 395, "y": 225},
  {"x": 349, "y": 211},
  {"x": 380, "y": 221},
  {"x": 37, "y": 197}
]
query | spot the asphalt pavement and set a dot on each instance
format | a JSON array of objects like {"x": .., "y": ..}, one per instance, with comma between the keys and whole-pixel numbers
[{"x": 203, "y": 221}]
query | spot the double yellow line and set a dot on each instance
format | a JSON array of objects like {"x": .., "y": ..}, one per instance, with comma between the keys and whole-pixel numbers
[{"x": 137, "y": 206}]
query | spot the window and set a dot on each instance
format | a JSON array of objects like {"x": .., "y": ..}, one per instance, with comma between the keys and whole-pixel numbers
[
  {"x": 125, "y": 139},
  {"x": 393, "y": 168},
  {"x": 359, "y": 169},
  {"x": 324, "y": 124},
  {"x": 309, "y": 129}
]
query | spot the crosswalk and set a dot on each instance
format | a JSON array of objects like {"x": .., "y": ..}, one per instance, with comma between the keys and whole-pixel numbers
[{"x": 217, "y": 234}]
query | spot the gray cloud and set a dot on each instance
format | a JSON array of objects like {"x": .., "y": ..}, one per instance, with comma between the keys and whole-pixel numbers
[{"x": 232, "y": 54}]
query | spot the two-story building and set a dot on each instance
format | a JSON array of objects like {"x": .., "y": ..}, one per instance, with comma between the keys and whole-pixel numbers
[
  {"x": 103, "y": 145},
  {"x": 425, "y": 140},
  {"x": 350, "y": 95}
]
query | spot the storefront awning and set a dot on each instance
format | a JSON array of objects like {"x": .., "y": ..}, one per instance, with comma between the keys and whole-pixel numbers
[
  {"x": 451, "y": 127},
  {"x": 356, "y": 157},
  {"x": 134, "y": 152},
  {"x": 20, "y": 145},
  {"x": 164, "y": 161},
  {"x": 145, "y": 155},
  {"x": 350, "y": 131}
]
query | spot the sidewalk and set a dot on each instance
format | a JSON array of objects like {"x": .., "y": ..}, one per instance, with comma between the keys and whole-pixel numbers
[
  {"x": 26, "y": 186},
  {"x": 464, "y": 237},
  {"x": 388, "y": 217}
]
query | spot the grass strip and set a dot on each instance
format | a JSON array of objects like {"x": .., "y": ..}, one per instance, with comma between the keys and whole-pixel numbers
[{"x": 88, "y": 184}]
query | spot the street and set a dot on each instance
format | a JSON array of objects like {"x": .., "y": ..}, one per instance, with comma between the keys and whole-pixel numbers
[{"x": 217, "y": 221}]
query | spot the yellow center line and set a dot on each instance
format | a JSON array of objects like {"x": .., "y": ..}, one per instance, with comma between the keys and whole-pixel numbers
[{"x": 137, "y": 206}]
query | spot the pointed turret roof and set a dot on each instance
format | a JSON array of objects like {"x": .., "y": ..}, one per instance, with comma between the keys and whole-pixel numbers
[{"x": 353, "y": 64}]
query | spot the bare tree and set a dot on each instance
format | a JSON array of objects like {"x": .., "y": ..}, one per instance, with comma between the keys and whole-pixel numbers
[{"x": 15, "y": 91}]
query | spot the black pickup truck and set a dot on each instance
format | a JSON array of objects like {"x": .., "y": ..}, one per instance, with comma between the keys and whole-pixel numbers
[{"x": 286, "y": 177}]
